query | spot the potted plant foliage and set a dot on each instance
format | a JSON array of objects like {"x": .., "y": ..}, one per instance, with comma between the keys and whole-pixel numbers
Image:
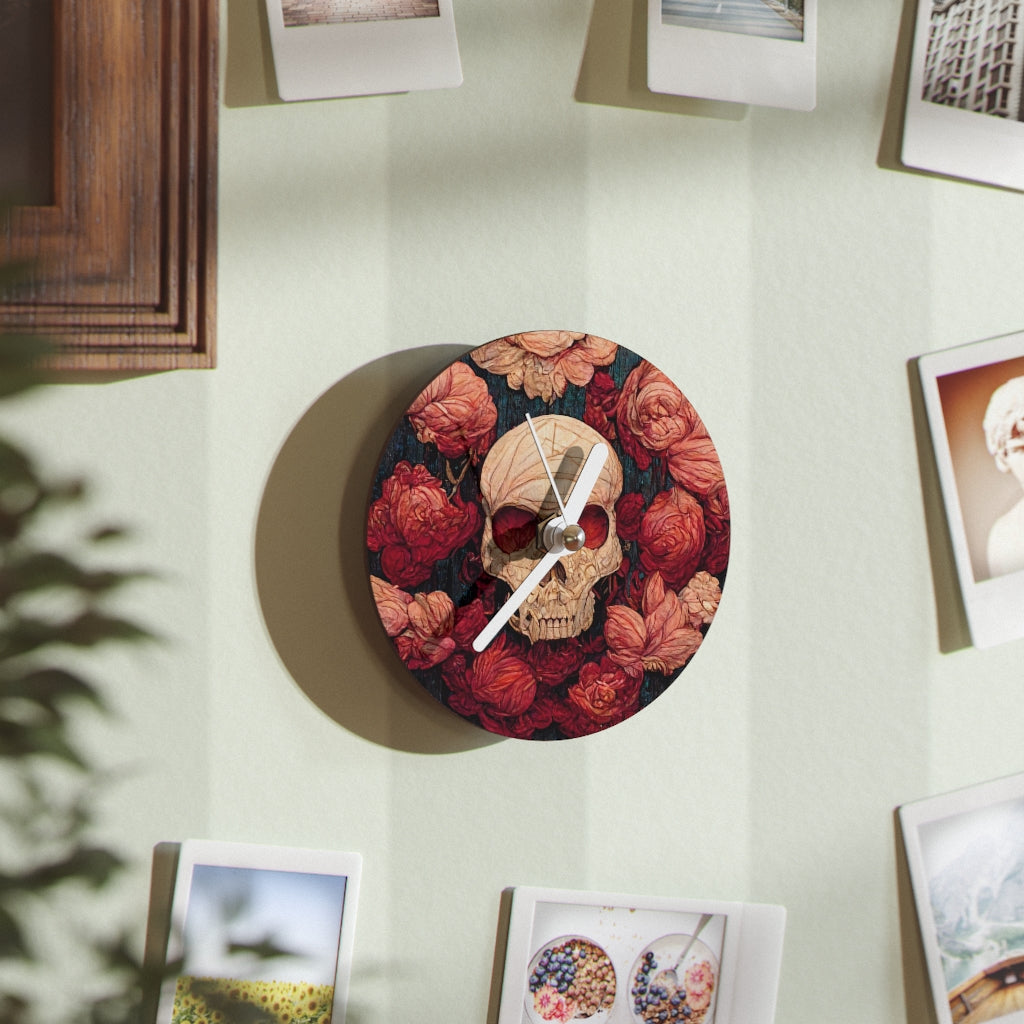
[{"x": 55, "y": 606}]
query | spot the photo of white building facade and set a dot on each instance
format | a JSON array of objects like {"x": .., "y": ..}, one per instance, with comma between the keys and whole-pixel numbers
[{"x": 974, "y": 58}]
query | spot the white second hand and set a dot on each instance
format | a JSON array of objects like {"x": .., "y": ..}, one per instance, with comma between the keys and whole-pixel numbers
[{"x": 547, "y": 468}]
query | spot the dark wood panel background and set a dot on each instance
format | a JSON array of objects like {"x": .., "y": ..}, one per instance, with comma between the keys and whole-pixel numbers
[{"x": 121, "y": 263}]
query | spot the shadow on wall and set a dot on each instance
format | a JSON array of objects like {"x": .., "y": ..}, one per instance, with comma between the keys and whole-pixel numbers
[
  {"x": 249, "y": 78},
  {"x": 613, "y": 69},
  {"x": 891, "y": 142},
  {"x": 310, "y": 562},
  {"x": 916, "y": 990},
  {"x": 951, "y": 617}
]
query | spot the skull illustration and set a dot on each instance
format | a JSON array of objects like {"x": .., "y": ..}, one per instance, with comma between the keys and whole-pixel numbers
[{"x": 517, "y": 501}]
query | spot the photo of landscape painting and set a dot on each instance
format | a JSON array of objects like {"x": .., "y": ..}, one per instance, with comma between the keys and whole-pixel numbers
[{"x": 975, "y": 867}]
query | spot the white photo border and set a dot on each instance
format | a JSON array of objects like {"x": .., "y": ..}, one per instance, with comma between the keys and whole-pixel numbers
[
  {"x": 994, "y": 606},
  {"x": 364, "y": 58},
  {"x": 750, "y": 957},
  {"x": 920, "y": 813},
  {"x": 732, "y": 66},
  {"x": 951, "y": 141},
  {"x": 211, "y": 853}
]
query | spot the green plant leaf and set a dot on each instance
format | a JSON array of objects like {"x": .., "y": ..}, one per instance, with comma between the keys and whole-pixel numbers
[
  {"x": 27, "y": 634},
  {"x": 42, "y": 570},
  {"x": 92, "y": 865},
  {"x": 13, "y": 1009},
  {"x": 13, "y": 945},
  {"x": 50, "y": 687},
  {"x": 21, "y": 740},
  {"x": 105, "y": 534},
  {"x": 38, "y": 700}
]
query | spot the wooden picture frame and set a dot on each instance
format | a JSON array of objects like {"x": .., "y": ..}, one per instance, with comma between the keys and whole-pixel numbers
[{"x": 120, "y": 263}]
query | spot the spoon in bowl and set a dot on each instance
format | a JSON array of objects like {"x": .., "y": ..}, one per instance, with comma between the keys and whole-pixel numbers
[{"x": 668, "y": 978}]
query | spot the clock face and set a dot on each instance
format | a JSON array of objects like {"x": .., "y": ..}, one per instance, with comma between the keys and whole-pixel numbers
[{"x": 615, "y": 579}]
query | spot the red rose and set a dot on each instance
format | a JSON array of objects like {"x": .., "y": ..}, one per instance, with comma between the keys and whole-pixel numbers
[
  {"x": 414, "y": 525},
  {"x": 603, "y": 696},
  {"x": 501, "y": 682},
  {"x": 498, "y": 687},
  {"x": 456, "y": 413},
  {"x": 672, "y": 536},
  {"x": 470, "y": 619},
  {"x": 629, "y": 513},
  {"x": 652, "y": 414},
  {"x": 715, "y": 557},
  {"x": 456, "y": 677},
  {"x": 599, "y": 409},
  {"x": 553, "y": 664},
  {"x": 693, "y": 463}
]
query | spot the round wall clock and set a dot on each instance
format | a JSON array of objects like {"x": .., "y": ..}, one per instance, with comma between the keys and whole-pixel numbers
[{"x": 548, "y": 535}]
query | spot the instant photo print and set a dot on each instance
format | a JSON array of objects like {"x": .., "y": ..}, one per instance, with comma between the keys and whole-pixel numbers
[
  {"x": 744, "y": 51},
  {"x": 334, "y": 48},
  {"x": 964, "y": 103},
  {"x": 965, "y": 852},
  {"x": 974, "y": 398},
  {"x": 609, "y": 958},
  {"x": 260, "y": 933}
]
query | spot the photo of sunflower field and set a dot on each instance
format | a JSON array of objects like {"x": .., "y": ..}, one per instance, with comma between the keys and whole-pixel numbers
[
  {"x": 260, "y": 947},
  {"x": 229, "y": 1001}
]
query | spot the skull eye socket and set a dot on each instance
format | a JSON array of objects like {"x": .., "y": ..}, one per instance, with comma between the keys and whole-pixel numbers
[
  {"x": 594, "y": 521},
  {"x": 513, "y": 528}
]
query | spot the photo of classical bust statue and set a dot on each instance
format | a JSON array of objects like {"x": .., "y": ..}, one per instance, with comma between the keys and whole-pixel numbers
[{"x": 1004, "y": 436}]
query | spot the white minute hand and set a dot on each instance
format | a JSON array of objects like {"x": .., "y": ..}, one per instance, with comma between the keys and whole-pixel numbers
[{"x": 574, "y": 506}]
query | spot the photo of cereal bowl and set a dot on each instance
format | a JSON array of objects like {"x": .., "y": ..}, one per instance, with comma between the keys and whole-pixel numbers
[
  {"x": 570, "y": 978},
  {"x": 673, "y": 981}
]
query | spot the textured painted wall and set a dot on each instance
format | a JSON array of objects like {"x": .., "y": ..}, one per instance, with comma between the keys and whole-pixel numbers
[{"x": 764, "y": 260}]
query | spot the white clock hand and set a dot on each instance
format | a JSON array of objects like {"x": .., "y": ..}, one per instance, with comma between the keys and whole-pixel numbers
[
  {"x": 553, "y": 538},
  {"x": 517, "y": 597},
  {"x": 547, "y": 468},
  {"x": 584, "y": 486}
]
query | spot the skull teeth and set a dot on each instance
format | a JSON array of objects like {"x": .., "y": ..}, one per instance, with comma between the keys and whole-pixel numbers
[{"x": 535, "y": 624}]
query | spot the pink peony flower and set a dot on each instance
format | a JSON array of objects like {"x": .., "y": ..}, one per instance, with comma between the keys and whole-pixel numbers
[
  {"x": 419, "y": 624},
  {"x": 544, "y": 363},
  {"x": 660, "y": 638},
  {"x": 700, "y": 598},
  {"x": 456, "y": 413},
  {"x": 392, "y": 605}
]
